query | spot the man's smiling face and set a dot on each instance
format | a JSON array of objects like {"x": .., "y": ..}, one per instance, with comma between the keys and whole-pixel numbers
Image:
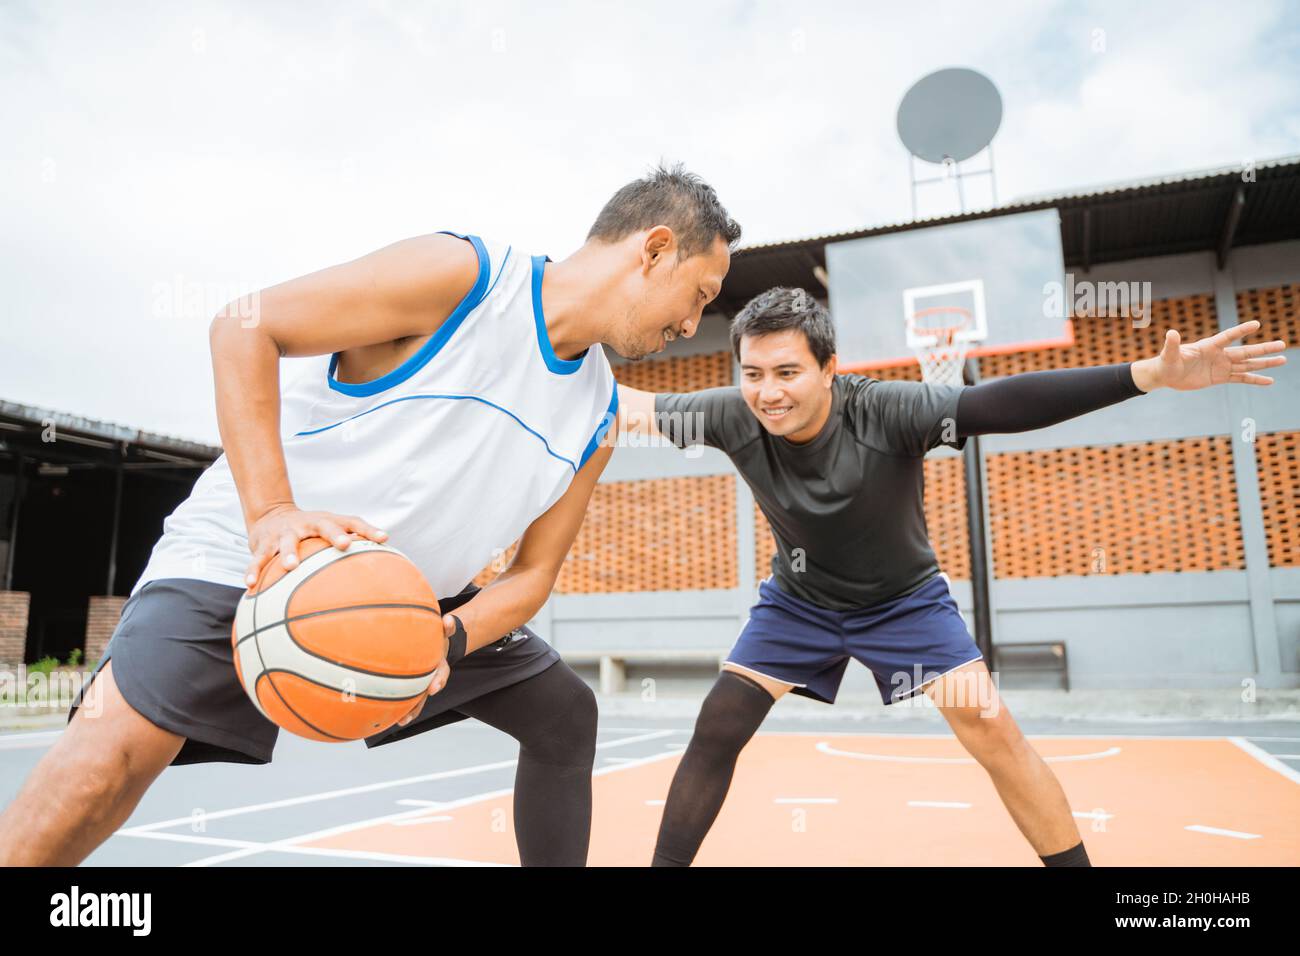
[{"x": 783, "y": 385}]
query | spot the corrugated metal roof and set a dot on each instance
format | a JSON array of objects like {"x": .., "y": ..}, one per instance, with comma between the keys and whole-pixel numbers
[
  {"x": 1179, "y": 212},
  {"x": 30, "y": 416}
]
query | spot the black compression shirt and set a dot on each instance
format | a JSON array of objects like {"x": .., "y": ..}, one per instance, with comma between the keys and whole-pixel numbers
[{"x": 846, "y": 508}]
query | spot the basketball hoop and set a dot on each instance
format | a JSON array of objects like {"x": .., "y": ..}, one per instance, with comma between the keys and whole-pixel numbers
[{"x": 940, "y": 337}]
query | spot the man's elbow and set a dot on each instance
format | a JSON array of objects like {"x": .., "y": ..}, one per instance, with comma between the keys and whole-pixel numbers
[{"x": 234, "y": 323}]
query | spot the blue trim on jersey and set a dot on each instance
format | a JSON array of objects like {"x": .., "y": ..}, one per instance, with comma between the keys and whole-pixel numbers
[
  {"x": 472, "y": 398},
  {"x": 553, "y": 362},
  {"x": 606, "y": 420},
  {"x": 435, "y": 342}
]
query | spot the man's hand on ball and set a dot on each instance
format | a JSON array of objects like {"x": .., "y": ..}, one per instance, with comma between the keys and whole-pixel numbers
[
  {"x": 440, "y": 674},
  {"x": 279, "y": 529}
]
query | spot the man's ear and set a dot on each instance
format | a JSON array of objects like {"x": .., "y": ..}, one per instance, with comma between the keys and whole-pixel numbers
[
  {"x": 831, "y": 368},
  {"x": 657, "y": 243}
]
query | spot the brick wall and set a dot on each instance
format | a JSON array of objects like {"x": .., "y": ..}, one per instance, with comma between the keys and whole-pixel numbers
[
  {"x": 13, "y": 626},
  {"x": 1277, "y": 309},
  {"x": 1121, "y": 509},
  {"x": 659, "y": 534},
  {"x": 689, "y": 373},
  {"x": 101, "y": 620},
  {"x": 1278, "y": 457}
]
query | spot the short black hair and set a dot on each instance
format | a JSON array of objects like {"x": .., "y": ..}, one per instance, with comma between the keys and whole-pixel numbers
[
  {"x": 779, "y": 309},
  {"x": 672, "y": 197}
]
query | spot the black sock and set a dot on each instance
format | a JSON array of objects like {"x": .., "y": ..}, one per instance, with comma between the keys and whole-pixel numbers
[
  {"x": 730, "y": 715},
  {"x": 1074, "y": 856}
]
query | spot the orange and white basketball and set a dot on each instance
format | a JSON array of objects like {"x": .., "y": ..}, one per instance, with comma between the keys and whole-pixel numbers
[{"x": 343, "y": 645}]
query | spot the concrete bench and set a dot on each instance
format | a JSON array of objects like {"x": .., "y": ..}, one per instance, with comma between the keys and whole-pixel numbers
[{"x": 613, "y": 663}]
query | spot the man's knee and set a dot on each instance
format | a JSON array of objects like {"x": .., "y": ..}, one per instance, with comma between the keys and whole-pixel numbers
[
  {"x": 109, "y": 747},
  {"x": 732, "y": 711},
  {"x": 989, "y": 739},
  {"x": 568, "y": 734}
]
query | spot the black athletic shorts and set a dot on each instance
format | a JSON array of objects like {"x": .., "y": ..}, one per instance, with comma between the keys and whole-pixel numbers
[{"x": 173, "y": 662}]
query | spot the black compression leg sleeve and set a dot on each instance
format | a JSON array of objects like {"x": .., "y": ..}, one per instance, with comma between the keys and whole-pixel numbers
[
  {"x": 1074, "y": 856},
  {"x": 553, "y": 716},
  {"x": 728, "y": 718},
  {"x": 1019, "y": 403}
]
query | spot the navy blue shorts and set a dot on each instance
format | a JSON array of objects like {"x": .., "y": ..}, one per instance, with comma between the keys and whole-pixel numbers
[{"x": 906, "y": 642}]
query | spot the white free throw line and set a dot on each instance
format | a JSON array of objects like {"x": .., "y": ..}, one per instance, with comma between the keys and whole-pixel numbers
[
  {"x": 826, "y": 748},
  {"x": 1219, "y": 831}
]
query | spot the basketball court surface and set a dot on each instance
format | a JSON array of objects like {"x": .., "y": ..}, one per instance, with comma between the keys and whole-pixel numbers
[{"x": 827, "y": 792}]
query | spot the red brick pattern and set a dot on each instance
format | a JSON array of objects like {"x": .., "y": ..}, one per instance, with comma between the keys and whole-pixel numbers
[
  {"x": 1278, "y": 458},
  {"x": 1122, "y": 509},
  {"x": 102, "y": 616},
  {"x": 1276, "y": 308},
  {"x": 660, "y": 534},
  {"x": 688, "y": 373},
  {"x": 13, "y": 626}
]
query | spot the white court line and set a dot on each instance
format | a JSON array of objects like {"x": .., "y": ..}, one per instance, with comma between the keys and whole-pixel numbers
[
  {"x": 655, "y": 803},
  {"x": 28, "y": 741},
  {"x": 1267, "y": 759},
  {"x": 806, "y": 800},
  {"x": 646, "y": 730},
  {"x": 951, "y": 736},
  {"x": 826, "y": 748},
  {"x": 311, "y": 850},
  {"x": 363, "y": 788},
  {"x": 422, "y": 820},
  {"x": 1217, "y": 831},
  {"x": 386, "y": 818},
  {"x": 953, "y": 805},
  {"x": 1287, "y": 756}
]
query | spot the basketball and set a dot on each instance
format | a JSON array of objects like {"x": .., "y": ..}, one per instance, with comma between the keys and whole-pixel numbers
[{"x": 343, "y": 645}]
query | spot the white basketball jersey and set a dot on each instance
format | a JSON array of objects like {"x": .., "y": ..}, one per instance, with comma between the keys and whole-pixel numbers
[{"x": 454, "y": 453}]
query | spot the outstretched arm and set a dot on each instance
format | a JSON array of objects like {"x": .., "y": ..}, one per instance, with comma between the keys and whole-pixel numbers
[
  {"x": 1032, "y": 400},
  {"x": 636, "y": 413}
]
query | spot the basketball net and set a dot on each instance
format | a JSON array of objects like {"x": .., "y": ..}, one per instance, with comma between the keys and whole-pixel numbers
[{"x": 936, "y": 338}]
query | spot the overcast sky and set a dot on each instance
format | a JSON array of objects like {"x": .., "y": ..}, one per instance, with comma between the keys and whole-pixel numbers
[{"x": 159, "y": 155}]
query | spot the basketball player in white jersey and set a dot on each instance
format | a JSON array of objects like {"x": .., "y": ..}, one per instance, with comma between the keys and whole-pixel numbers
[{"x": 461, "y": 403}]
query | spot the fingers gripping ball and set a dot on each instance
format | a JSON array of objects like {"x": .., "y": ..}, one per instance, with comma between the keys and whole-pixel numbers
[{"x": 343, "y": 645}]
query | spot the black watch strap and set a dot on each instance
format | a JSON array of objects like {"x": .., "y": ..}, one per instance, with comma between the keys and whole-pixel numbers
[{"x": 456, "y": 643}]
